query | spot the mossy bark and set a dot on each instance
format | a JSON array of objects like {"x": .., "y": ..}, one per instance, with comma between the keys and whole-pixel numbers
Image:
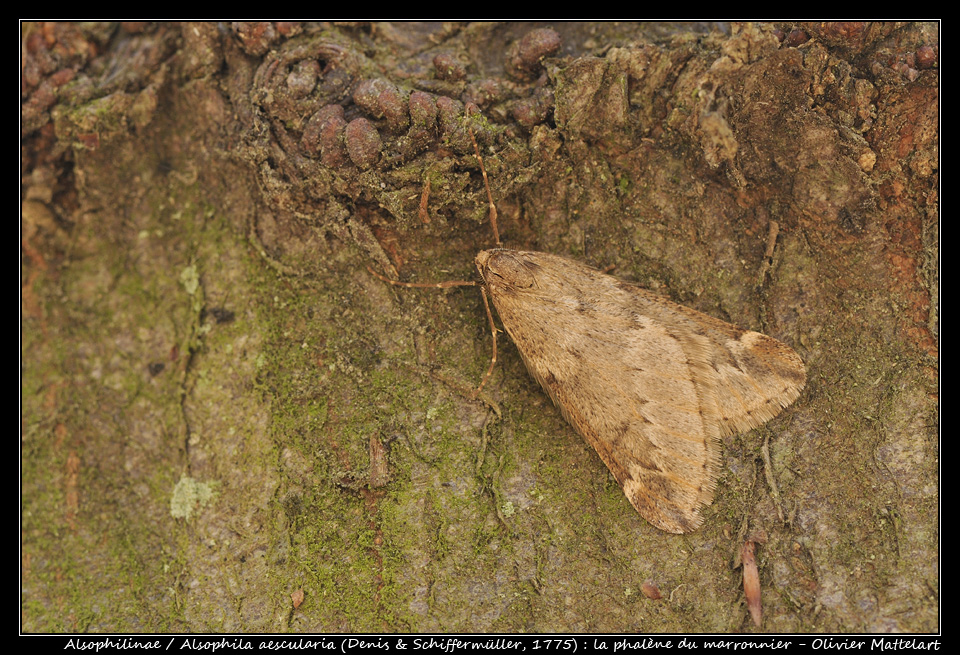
[{"x": 221, "y": 406}]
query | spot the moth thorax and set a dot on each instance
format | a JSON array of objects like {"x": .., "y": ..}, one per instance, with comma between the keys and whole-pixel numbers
[{"x": 506, "y": 267}]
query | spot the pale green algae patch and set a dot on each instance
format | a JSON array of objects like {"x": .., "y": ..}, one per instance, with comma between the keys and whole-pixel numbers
[{"x": 190, "y": 496}]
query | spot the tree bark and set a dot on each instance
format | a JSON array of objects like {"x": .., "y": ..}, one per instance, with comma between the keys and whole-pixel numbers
[{"x": 223, "y": 409}]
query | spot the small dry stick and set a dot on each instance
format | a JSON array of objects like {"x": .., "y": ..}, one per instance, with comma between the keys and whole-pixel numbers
[
  {"x": 461, "y": 283},
  {"x": 424, "y": 199},
  {"x": 772, "y": 232},
  {"x": 751, "y": 582}
]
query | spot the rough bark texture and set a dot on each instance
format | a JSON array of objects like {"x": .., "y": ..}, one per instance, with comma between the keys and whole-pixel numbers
[{"x": 224, "y": 414}]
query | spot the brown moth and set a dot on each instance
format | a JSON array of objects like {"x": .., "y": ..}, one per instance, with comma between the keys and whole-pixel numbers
[{"x": 650, "y": 384}]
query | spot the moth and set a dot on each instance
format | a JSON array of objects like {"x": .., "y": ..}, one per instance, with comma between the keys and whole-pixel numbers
[{"x": 652, "y": 385}]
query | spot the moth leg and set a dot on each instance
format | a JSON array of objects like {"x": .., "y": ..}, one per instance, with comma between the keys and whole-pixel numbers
[
  {"x": 493, "y": 333},
  {"x": 486, "y": 184}
]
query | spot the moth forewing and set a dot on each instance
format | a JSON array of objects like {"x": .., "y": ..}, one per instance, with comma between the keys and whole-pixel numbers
[{"x": 650, "y": 384}]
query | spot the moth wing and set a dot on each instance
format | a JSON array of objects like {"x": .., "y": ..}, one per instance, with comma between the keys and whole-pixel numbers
[{"x": 650, "y": 384}]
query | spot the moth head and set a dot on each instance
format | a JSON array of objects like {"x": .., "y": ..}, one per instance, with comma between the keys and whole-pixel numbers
[{"x": 506, "y": 268}]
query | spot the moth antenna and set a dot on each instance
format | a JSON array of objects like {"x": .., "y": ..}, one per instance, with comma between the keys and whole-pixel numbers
[
  {"x": 486, "y": 184},
  {"x": 425, "y": 218},
  {"x": 493, "y": 333},
  {"x": 446, "y": 285},
  {"x": 425, "y": 285}
]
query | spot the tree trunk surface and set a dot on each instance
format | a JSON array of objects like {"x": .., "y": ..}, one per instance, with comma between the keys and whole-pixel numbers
[{"x": 229, "y": 424}]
